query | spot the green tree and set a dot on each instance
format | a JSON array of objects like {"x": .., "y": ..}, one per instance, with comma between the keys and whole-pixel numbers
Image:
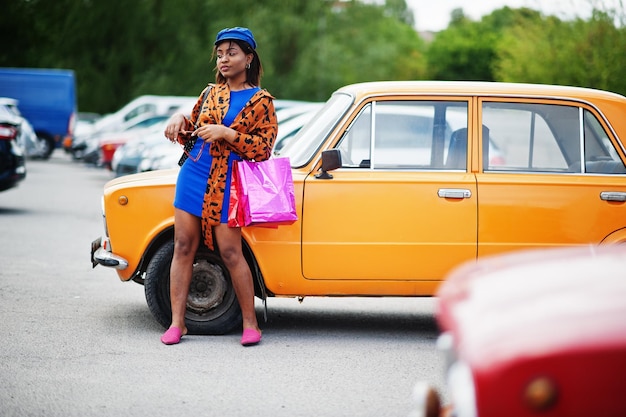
[
  {"x": 468, "y": 50},
  {"x": 601, "y": 53},
  {"x": 357, "y": 42},
  {"x": 581, "y": 53},
  {"x": 399, "y": 10},
  {"x": 122, "y": 49},
  {"x": 283, "y": 37},
  {"x": 464, "y": 51}
]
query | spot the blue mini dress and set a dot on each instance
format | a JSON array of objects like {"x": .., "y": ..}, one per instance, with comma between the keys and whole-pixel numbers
[{"x": 194, "y": 174}]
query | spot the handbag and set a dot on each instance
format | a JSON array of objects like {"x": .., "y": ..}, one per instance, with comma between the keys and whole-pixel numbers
[{"x": 262, "y": 194}]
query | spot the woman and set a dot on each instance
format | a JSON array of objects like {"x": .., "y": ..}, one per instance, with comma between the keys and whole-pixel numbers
[{"x": 237, "y": 120}]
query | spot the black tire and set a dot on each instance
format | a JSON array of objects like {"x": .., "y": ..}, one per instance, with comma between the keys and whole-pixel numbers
[
  {"x": 212, "y": 306},
  {"x": 47, "y": 146}
]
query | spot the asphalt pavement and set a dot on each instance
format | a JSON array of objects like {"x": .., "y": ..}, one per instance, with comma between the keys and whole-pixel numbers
[{"x": 76, "y": 341}]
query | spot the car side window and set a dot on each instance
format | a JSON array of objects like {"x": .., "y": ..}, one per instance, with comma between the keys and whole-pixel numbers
[
  {"x": 600, "y": 154},
  {"x": 407, "y": 135},
  {"x": 355, "y": 145},
  {"x": 529, "y": 137},
  {"x": 522, "y": 137},
  {"x": 144, "y": 108}
]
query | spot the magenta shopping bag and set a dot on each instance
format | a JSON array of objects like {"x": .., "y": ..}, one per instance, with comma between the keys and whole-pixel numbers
[
  {"x": 235, "y": 212},
  {"x": 265, "y": 193}
]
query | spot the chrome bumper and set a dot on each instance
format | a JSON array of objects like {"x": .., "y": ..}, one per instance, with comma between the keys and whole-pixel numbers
[{"x": 102, "y": 255}]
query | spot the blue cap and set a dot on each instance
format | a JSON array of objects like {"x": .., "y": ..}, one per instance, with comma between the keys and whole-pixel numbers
[{"x": 242, "y": 34}]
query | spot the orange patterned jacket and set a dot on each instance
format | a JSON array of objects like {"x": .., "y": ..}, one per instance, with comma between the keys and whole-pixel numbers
[{"x": 256, "y": 128}]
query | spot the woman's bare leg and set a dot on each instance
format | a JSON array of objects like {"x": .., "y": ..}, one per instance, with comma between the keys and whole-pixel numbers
[
  {"x": 229, "y": 243},
  {"x": 187, "y": 231}
]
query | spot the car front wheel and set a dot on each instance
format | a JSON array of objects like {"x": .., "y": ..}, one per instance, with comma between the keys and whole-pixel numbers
[{"x": 212, "y": 306}]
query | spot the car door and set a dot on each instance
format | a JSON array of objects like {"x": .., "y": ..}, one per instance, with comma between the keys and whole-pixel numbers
[
  {"x": 403, "y": 205},
  {"x": 539, "y": 194}
]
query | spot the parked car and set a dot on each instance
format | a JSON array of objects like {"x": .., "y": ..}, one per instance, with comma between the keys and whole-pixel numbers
[
  {"x": 109, "y": 143},
  {"x": 534, "y": 333},
  {"x": 281, "y": 104},
  {"x": 12, "y": 165},
  {"x": 142, "y": 106},
  {"x": 375, "y": 222},
  {"x": 151, "y": 151},
  {"x": 143, "y": 152},
  {"x": 27, "y": 138},
  {"x": 47, "y": 99},
  {"x": 291, "y": 125},
  {"x": 136, "y": 110},
  {"x": 101, "y": 146},
  {"x": 85, "y": 126},
  {"x": 284, "y": 114},
  {"x": 162, "y": 157}
]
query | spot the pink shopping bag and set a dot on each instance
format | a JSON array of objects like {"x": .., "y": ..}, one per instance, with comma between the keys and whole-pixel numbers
[
  {"x": 235, "y": 213},
  {"x": 262, "y": 194}
]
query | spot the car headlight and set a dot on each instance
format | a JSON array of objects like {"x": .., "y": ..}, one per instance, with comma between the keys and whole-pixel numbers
[{"x": 461, "y": 387}]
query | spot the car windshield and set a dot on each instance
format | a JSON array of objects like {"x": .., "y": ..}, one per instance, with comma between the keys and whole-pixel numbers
[
  {"x": 303, "y": 146},
  {"x": 8, "y": 116}
]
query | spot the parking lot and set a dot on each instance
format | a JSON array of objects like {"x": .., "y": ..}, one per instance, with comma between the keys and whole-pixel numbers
[{"x": 76, "y": 341}]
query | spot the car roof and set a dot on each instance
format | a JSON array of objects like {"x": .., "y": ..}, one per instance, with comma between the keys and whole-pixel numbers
[
  {"x": 474, "y": 88},
  {"x": 8, "y": 101}
]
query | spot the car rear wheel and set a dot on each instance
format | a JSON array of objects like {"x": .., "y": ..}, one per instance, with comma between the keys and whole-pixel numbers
[
  {"x": 46, "y": 146},
  {"x": 212, "y": 306}
]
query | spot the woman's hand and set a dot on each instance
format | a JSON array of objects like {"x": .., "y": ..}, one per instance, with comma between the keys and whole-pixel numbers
[
  {"x": 210, "y": 133},
  {"x": 175, "y": 126}
]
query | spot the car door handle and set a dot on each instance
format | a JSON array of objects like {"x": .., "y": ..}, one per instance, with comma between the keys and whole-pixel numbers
[
  {"x": 454, "y": 193},
  {"x": 612, "y": 196}
]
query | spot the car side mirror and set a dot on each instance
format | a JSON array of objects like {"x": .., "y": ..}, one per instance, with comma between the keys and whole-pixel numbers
[{"x": 331, "y": 159}]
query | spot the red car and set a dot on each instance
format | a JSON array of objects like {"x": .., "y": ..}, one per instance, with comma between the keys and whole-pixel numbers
[
  {"x": 539, "y": 333},
  {"x": 109, "y": 142}
]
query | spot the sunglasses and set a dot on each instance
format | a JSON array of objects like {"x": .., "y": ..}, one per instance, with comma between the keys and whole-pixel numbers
[{"x": 197, "y": 157}]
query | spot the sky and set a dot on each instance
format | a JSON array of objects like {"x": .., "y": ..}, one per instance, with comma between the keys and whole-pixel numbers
[{"x": 434, "y": 15}]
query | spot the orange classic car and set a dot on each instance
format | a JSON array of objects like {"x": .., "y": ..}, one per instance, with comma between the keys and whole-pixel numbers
[{"x": 396, "y": 184}]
